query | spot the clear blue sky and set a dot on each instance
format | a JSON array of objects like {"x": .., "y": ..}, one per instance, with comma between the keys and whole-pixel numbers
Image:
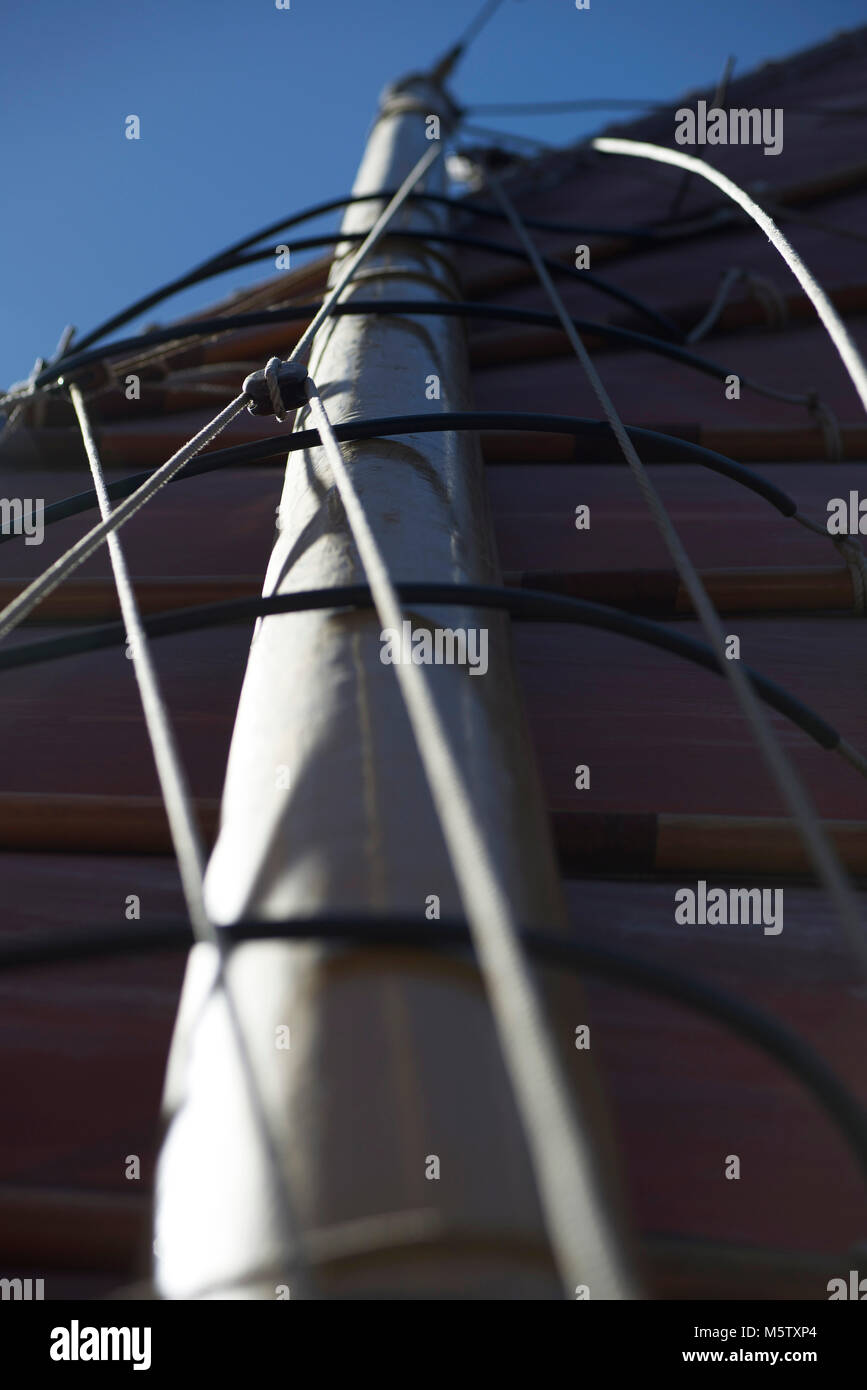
[{"x": 248, "y": 112}]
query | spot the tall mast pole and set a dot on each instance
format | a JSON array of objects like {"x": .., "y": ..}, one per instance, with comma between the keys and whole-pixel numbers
[{"x": 379, "y": 1073}]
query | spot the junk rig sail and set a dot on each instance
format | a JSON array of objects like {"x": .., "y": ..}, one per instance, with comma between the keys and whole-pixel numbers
[{"x": 439, "y": 959}]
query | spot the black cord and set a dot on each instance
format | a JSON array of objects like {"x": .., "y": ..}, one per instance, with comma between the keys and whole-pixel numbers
[
  {"x": 475, "y": 27},
  {"x": 493, "y": 248},
  {"x": 526, "y": 605},
  {"x": 464, "y": 309},
  {"x": 655, "y": 447},
  {"x": 554, "y": 108},
  {"x": 539, "y": 224},
  {"x": 747, "y": 1022},
  {"x": 214, "y": 265}
]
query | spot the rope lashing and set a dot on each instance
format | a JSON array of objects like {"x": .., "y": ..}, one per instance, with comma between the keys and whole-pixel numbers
[
  {"x": 852, "y": 553},
  {"x": 768, "y": 294},
  {"x": 24, "y": 393},
  {"x": 277, "y": 388},
  {"x": 828, "y": 424},
  {"x": 856, "y": 560}
]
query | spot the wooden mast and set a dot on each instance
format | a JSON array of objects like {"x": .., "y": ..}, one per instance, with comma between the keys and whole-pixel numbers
[{"x": 380, "y": 1074}]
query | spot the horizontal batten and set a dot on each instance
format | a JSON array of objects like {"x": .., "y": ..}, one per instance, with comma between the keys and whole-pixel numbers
[
  {"x": 529, "y": 344},
  {"x": 586, "y": 842},
  {"x": 68, "y": 823},
  {"x": 157, "y": 439},
  {"x": 660, "y": 592},
  {"x": 753, "y": 445},
  {"x": 95, "y": 600},
  {"x": 639, "y": 843},
  {"x": 657, "y": 592},
  {"x": 65, "y": 1229}
]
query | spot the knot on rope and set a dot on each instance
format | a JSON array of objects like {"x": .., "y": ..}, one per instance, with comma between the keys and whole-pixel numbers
[
  {"x": 277, "y": 388},
  {"x": 768, "y": 295},
  {"x": 25, "y": 394},
  {"x": 857, "y": 562},
  {"x": 827, "y": 422}
]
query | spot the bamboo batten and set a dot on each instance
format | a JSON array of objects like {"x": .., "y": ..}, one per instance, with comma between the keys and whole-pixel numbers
[
  {"x": 585, "y": 842},
  {"x": 489, "y": 348},
  {"x": 153, "y": 440},
  {"x": 645, "y": 843},
  {"x": 751, "y": 445},
  {"x": 661, "y": 594},
  {"x": 57, "y": 1228},
  {"x": 95, "y": 600},
  {"x": 653, "y": 592},
  {"x": 161, "y": 390},
  {"x": 70, "y": 823}
]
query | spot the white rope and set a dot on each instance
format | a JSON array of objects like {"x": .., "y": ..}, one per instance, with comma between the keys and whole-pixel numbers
[
  {"x": 173, "y": 783},
  {"x": 732, "y": 276},
  {"x": 380, "y": 226},
  {"x": 185, "y": 835},
  {"x": 766, "y": 292},
  {"x": 273, "y": 384},
  {"x": 45, "y": 583},
  {"x": 63, "y": 342},
  {"x": 853, "y": 756},
  {"x": 770, "y": 296},
  {"x": 485, "y": 15},
  {"x": 850, "y": 549},
  {"x": 23, "y": 393},
  {"x": 821, "y": 303},
  {"x": 818, "y": 845},
  {"x": 829, "y": 425},
  {"x": 24, "y": 603},
  {"x": 855, "y": 559},
  {"x": 569, "y": 1189}
]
